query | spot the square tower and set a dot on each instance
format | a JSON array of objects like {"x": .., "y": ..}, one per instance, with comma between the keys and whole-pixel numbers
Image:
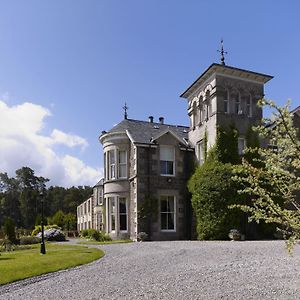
[{"x": 221, "y": 96}]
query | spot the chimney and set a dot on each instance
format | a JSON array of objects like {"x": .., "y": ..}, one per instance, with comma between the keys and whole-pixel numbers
[
  {"x": 161, "y": 120},
  {"x": 150, "y": 119}
]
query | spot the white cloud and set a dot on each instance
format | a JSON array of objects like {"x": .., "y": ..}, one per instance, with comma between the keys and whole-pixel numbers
[
  {"x": 70, "y": 140},
  {"x": 23, "y": 144}
]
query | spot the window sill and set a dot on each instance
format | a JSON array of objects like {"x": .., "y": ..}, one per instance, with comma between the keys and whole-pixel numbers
[
  {"x": 168, "y": 230},
  {"x": 167, "y": 175}
]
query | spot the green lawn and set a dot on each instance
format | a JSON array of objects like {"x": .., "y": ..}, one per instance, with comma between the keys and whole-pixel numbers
[
  {"x": 23, "y": 264},
  {"x": 92, "y": 242}
]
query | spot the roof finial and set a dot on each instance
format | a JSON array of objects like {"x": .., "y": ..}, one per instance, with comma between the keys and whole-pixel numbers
[
  {"x": 125, "y": 108},
  {"x": 222, "y": 53}
]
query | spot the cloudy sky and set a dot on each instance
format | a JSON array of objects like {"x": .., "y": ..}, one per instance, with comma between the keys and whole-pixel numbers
[{"x": 67, "y": 67}]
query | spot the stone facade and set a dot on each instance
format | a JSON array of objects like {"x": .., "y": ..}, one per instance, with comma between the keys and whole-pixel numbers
[{"x": 147, "y": 164}]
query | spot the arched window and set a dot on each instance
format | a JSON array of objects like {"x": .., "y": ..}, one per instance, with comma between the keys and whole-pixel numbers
[
  {"x": 208, "y": 105},
  {"x": 249, "y": 105},
  {"x": 226, "y": 102},
  {"x": 237, "y": 103},
  {"x": 200, "y": 110}
]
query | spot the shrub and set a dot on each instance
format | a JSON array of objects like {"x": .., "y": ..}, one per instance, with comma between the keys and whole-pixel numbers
[
  {"x": 95, "y": 235},
  {"x": 37, "y": 229},
  {"x": 84, "y": 233},
  {"x": 7, "y": 245},
  {"x": 9, "y": 230},
  {"x": 212, "y": 192},
  {"x": 29, "y": 240},
  {"x": 53, "y": 234}
]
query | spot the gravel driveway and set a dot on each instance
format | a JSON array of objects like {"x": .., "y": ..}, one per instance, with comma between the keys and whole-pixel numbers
[{"x": 174, "y": 270}]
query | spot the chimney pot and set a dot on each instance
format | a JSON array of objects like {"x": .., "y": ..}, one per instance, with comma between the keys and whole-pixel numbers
[
  {"x": 161, "y": 120},
  {"x": 150, "y": 119}
]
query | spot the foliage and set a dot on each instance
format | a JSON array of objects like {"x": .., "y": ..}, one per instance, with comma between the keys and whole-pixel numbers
[
  {"x": 9, "y": 230},
  {"x": 7, "y": 245},
  {"x": 65, "y": 221},
  {"x": 96, "y": 235},
  {"x": 29, "y": 240},
  {"x": 227, "y": 145},
  {"x": 23, "y": 264},
  {"x": 212, "y": 191},
  {"x": 38, "y": 228},
  {"x": 20, "y": 199},
  {"x": 53, "y": 234},
  {"x": 273, "y": 182}
]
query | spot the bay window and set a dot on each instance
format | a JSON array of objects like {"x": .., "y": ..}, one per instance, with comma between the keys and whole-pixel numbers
[{"x": 122, "y": 164}]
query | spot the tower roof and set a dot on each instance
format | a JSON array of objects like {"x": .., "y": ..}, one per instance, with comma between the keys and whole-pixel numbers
[{"x": 226, "y": 71}]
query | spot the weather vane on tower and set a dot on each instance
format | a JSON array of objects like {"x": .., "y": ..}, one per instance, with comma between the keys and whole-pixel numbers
[
  {"x": 125, "y": 108},
  {"x": 222, "y": 53}
]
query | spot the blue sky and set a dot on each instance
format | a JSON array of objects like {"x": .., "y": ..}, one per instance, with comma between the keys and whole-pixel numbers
[{"x": 67, "y": 67}]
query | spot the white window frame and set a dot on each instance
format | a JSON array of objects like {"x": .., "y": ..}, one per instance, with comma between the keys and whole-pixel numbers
[
  {"x": 105, "y": 166},
  {"x": 201, "y": 152},
  {"x": 122, "y": 164},
  {"x": 226, "y": 103},
  {"x": 111, "y": 213},
  {"x": 173, "y": 161},
  {"x": 100, "y": 196},
  {"x": 237, "y": 103},
  {"x": 174, "y": 213},
  {"x": 241, "y": 139},
  {"x": 249, "y": 106},
  {"x": 112, "y": 164}
]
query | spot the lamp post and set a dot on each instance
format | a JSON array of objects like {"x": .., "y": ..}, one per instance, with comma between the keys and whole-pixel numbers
[{"x": 43, "y": 248}]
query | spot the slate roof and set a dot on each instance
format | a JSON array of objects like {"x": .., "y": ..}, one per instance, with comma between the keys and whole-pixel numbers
[
  {"x": 143, "y": 132},
  {"x": 224, "y": 68},
  {"x": 100, "y": 182}
]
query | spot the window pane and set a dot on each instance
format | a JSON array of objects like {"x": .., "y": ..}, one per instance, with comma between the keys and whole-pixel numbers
[
  {"x": 163, "y": 221},
  {"x": 241, "y": 145},
  {"x": 167, "y": 212},
  {"x": 122, "y": 156},
  {"x": 123, "y": 222},
  {"x": 122, "y": 205},
  {"x": 163, "y": 205},
  {"x": 167, "y": 153},
  {"x": 169, "y": 168},
  {"x": 171, "y": 204},
  {"x": 171, "y": 221},
  {"x": 122, "y": 171}
]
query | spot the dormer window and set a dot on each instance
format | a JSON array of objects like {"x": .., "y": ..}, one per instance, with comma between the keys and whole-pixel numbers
[{"x": 167, "y": 159}]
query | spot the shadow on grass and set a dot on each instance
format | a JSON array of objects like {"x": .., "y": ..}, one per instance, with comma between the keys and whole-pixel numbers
[{"x": 6, "y": 258}]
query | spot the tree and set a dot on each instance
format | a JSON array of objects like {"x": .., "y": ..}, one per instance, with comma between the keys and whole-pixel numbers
[
  {"x": 30, "y": 187},
  {"x": 272, "y": 180},
  {"x": 227, "y": 144},
  {"x": 9, "y": 199},
  {"x": 212, "y": 189}
]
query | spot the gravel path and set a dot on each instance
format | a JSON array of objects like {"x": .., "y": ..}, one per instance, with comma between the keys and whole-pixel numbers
[{"x": 174, "y": 270}]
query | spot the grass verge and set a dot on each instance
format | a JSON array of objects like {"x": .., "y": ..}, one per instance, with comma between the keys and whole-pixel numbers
[
  {"x": 27, "y": 263},
  {"x": 87, "y": 242}
]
